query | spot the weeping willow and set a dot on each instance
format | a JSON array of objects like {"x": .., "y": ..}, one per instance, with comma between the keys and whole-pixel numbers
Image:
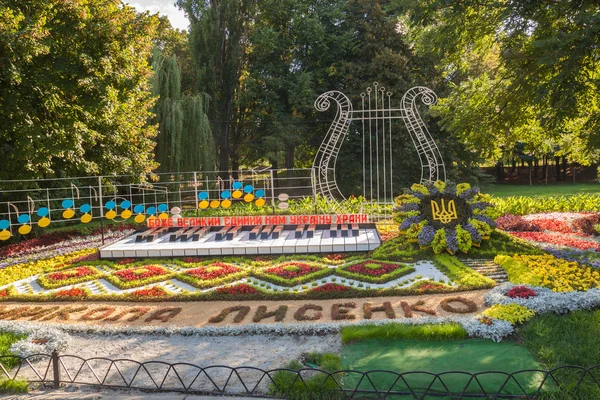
[{"x": 184, "y": 141}]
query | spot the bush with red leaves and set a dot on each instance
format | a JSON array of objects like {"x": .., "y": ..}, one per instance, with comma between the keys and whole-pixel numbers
[
  {"x": 521, "y": 292},
  {"x": 213, "y": 271},
  {"x": 139, "y": 273},
  {"x": 586, "y": 224},
  {"x": 516, "y": 223}
]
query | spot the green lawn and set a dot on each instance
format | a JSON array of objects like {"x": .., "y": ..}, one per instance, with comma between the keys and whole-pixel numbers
[
  {"x": 553, "y": 189},
  {"x": 470, "y": 355},
  {"x": 6, "y": 386},
  {"x": 573, "y": 339}
]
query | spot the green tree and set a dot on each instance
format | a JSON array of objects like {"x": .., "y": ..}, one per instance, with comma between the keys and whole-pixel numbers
[
  {"x": 521, "y": 71},
  {"x": 219, "y": 45},
  {"x": 184, "y": 141},
  {"x": 74, "y": 92}
]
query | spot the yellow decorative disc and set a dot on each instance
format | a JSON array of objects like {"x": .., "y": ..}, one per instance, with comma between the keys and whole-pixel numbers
[
  {"x": 86, "y": 218},
  {"x": 24, "y": 229},
  {"x": 204, "y": 204},
  {"x": 4, "y": 235},
  {"x": 126, "y": 214},
  {"x": 43, "y": 222},
  {"x": 139, "y": 218},
  {"x": 163, "y": 216},
  {"x": 68, "y": 214},
  {"x": 260, "y": 202},
  {"x": 248, "y": 198},
  {"x": 237, "y": 194},
  {"x": 214, "y": 204},
  {"x": 111, "y": 214},
  {"x": 226, "y": 203}
]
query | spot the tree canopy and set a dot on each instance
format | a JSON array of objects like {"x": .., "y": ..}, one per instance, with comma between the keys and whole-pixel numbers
[{"x": 74, "y": 89}]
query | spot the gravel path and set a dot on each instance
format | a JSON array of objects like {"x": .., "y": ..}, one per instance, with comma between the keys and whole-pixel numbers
[{"x": 265, "y": 352}]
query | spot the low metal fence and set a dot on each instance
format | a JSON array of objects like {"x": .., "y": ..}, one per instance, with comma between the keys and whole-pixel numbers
[{"x": 54, "y": 370}]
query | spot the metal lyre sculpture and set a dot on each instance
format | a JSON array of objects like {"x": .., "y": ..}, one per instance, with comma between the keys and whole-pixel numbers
[{"x": 376, "y": 115}]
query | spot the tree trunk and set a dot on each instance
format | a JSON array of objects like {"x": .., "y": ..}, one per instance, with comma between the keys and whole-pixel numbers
[
  {"x": 557, "y": 162},
  {"x": 499, "y": 171},
  {"x": 564, "y": 166},
  {"x": 289, "y": 160}
]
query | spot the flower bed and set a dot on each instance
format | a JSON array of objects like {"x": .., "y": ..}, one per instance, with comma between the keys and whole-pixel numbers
[
  {"x": 139, "y": 276},
  {"x": 69, "y": 277},
  {"x": 549, "y": 272},
  {"x": 559, "y": 240},
  {"x": 241, "y": 288},
  {"x": 73, "y": 293},
  {"x": 461, "y": 274},
  {"x": 154, "y": 291},
  {"x": 330, "y": 287},
  {"x": 293, "y": 273},
  {"x": 211, "y": 275},
  {"x": 374, "y": 271}
]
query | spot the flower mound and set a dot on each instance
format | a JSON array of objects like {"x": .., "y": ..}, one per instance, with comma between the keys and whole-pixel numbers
[
  {"x": 140, "y": 273},
  {"x": 444, "y": 216},
  {"x": 292, "y": 269},
  {"x": 558, "y": 239},
  {"x": 549, "y": 272},
  {"x": 242, "y": 288},
  {"x": 373, "y": 268},
  {"x": 331, "y": 287},
  {"x": 213, "y": 271}
]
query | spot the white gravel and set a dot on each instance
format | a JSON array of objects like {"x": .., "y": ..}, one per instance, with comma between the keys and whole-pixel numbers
[{"x": 260, "y": 351}]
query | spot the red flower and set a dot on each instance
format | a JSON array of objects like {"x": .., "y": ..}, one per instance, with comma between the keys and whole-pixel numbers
[
  {"x": 191, "y": 260},
  {"x": 372, "y": 268},
  {"x": 154, "y": 291},
  {"x": 4, "y": 293},
  {"x": 335, "y": 257},
  {"x": 521, "y": 292},
  {"x": 553, "y": 225},
  {"x": 139, "y": 273},
  {"x": 70, "y": 273},
  {"x": 330, "y": 287},
  {"x": 213, "y": 271},
  {"x": 558, "y": 239},
  {"x": 292, "y": 269},
  {"x": 241, "y": 288},
  {"x": 73, "y": 292},
  {"x": 124, "y": 261}
]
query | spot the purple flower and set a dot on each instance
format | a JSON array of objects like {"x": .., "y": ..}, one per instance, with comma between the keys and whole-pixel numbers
[
  {"x": 469, "y": 194},
  {"x": 451, "y": 241},
  {"x": 426, "y": 236},
  {"x": 480, "y": 205},
  {"x": 450, "y": 188},
  {"x": 409, "y": 221},
  {"x": 475, "y": 236},
  {"x": 409, "y": 207},
  {"x": 485, "y": 219}
]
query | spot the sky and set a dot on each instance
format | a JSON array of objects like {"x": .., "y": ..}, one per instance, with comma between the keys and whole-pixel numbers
[{"x": 164, "y": 7}]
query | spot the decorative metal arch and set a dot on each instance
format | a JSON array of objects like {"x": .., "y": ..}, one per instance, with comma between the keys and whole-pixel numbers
[{"x": 376, "y": 115}]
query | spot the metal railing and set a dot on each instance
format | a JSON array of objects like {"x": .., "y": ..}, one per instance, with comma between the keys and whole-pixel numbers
[{"x": 55, "y": 369}]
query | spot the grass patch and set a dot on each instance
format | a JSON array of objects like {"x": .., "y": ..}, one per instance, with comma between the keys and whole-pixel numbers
[
  {"x": 501, "y": 243},
  {"x": 573, "y": 339},
  {"x": 10, "y": 386},
  {"x": 450, "y": 331},
  {"x": 553, "y": 189},
  {"x": 470, "y": 355},
  {"x": 312, "y": 386}
]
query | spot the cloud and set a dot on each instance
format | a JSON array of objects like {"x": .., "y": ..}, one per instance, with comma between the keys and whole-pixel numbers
[{"x": 163, "y": 7}]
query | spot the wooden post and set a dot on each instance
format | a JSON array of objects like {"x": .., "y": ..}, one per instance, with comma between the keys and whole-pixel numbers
[{"x": 55, "y": 370}]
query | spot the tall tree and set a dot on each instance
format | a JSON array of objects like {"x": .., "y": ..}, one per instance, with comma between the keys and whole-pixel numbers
[
  {"x": 74, "y": 90},
  {"x": 522, "y": 71},
  {"x": 219, "y": 45},
  {"x": 184, "y": 141}
]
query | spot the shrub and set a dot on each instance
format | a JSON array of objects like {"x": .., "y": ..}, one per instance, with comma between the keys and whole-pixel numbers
[
  {"x": 587, "y": 225},
  {"x": 515, "y": 223},
  {"x": 521, "y": 292},
  {"x": 513, "y": 313}
]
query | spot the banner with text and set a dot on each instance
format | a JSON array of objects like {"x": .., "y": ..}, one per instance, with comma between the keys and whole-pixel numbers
[{"x": 259, "y": 220}]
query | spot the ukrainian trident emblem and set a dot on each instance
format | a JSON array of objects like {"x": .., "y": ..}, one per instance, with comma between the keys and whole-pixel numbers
[{"x": 445, "y": 213}]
